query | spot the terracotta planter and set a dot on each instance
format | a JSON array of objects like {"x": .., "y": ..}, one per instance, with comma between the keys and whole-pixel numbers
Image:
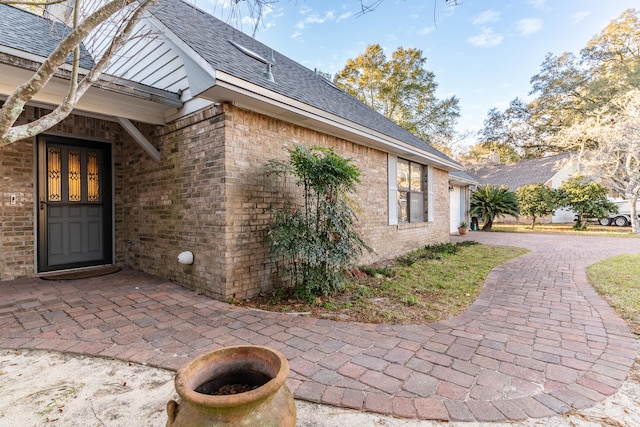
[
  {"x": 463, "y": 231},
  {"x": 270, "y": 404}
]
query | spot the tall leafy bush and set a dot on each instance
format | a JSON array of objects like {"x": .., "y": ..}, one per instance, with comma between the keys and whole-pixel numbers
[
  {"x": 315, "y": 235},
  {"x": 491, "y": 201},
  {"x": 587, "y": 198},
  {"x": 536, "y": 200}
]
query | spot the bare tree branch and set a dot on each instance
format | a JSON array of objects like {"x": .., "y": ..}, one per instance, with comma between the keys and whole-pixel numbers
[
  {"x": 78, "y": 89},
  {"x": 32, "y": 2},
  {"x": 16, "y": 101}
]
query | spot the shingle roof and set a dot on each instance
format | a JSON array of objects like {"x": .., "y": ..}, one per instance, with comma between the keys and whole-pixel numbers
[
  {"x": 210, "y": 38},
  {"x": 462, "y": 177},
  {"x": 516, "y": 175},
  {"x": 34, "y": 34}
]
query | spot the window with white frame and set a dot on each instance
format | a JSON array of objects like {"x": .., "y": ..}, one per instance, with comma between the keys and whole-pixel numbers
[{"x": 410, "y": 191}]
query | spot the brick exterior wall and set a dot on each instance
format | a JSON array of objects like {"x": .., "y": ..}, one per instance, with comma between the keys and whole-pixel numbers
[
  {"x": 209, "y": 194},
  {"x": 16, "y": 221},
  {"x": 252, "y": 140},
  {"x": 176, "y": 205},
  {"x": 17, "y": 172}
]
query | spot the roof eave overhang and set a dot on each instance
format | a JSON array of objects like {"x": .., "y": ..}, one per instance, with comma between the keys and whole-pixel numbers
[
  {"x": 109, "y": 96},
  {"x": 456, "y": 180},
  {"x": 238, "y": 92}
]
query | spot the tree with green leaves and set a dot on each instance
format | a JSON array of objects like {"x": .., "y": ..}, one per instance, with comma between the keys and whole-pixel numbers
[
  {"x": 569, "y": 90},
  {"x": 536, "y": 200},
  {"x": 508, "y": 131},
  {"x": 616, "y": 160},
  {"x": 401, "y": 89},
  {"x": 586, "y": 198},
  {"x": 491, "y": 201},
  {"x": 478, "y": 153},
  {"x": 317, "y": 240}
]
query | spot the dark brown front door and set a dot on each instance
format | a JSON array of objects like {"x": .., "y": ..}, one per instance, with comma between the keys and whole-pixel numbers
[{"x": 74, "y": 222}]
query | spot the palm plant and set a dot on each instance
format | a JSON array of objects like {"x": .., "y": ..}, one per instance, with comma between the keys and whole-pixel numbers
[{"x": 490, "y": 201}]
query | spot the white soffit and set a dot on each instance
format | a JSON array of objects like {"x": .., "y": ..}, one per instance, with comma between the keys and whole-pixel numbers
[{"x": 95, "y": 100}]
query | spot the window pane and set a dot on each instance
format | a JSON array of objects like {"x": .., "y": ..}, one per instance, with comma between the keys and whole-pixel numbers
[
  {"x": 93, "y": 177},
  {"x": 416, "y": 207},
  {"x": 75, "y": 194},
  {"x": 403, "y": 174},
  {"x": 53, "y": 174},
  {"x": 402, "y": 206},
  {"x": 416, "y": 177}
]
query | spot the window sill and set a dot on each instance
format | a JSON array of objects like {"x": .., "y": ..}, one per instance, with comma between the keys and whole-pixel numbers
[{"x": 411, "y": 225}]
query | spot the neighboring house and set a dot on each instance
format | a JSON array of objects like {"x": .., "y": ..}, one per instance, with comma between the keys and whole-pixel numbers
[
  {"x": 165, "y": 155},
  {"x": 460, "y": 186},
  {"x": 551, "y": 171}
]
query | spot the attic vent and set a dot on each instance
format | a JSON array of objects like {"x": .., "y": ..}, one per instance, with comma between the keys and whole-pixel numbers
[
  {"x": 251, "y": 53},
  {"x": 268, "y": 74}
]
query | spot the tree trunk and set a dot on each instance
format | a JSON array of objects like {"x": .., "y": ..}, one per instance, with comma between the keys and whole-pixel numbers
[
  {"x": 487, "y": 225},
  {"x": 635, "y": 223}
]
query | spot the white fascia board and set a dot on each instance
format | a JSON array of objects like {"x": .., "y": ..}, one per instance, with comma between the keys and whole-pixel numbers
[
  {"x": 95, "y": 100},
  {"x": 36, "y": 58},
  {"x": 247, "y": 95},
  {"x": 456, "y": 180},
  {"x": 200, "y": 73},
  {"x": 188, "y": 107}
]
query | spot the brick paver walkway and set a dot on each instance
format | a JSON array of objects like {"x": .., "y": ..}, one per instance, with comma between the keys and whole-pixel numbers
[{"x": 537, "y": 342}]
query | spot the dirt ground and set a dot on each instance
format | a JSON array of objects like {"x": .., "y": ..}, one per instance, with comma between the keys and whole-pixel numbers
[{"x": 51, "y": 389}]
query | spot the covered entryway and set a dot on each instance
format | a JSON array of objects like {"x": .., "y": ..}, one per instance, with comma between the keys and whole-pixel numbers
[
  {"x": 74, "y": 204},
  {"x": 459, "y": 191}
]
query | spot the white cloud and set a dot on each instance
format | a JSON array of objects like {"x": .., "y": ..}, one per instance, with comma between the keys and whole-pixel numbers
[
  {"x": 486, "y": 17},
  {"x": 313, "y": 17},
  {"x": 539, "y": 4},
  {"x": 344, "y": 16},
  {"x": 579, "y": 16},
  {"x": 426, "y": 30},
  {"x": 487, "y": 38},
  {"x": 529, "y": 26},
  {"x": 248, "y": 20}
]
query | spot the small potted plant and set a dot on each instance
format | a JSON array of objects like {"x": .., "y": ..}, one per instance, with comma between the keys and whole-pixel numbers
[{"x": 463, "y": 228}]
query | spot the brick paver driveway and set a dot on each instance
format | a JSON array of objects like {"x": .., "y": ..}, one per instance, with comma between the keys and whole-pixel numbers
[{"x": 538, "y": 341}]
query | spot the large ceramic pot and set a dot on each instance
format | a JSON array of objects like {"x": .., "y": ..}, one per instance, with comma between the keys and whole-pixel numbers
[{"x": 227, "y": 370}]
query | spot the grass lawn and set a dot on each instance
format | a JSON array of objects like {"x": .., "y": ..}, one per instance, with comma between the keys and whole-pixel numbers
[
  {"x": 592, "y": 229},
  {"x": 439, "y": 282},
  {"x": 427, "y": 285},
  {"x": 617, "y": 280}
]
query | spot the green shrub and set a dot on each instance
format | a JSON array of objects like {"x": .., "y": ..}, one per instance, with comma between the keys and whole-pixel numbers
[
  {"x": 317, "y": 241},
  {"x": 374, "y": 271},
  {"x": 491, "y": 201},
  {"x": 435, "y": 251}
]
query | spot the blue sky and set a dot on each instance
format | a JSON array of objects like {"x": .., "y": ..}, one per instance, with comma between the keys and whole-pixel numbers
[{"x": 482, "y": 51}]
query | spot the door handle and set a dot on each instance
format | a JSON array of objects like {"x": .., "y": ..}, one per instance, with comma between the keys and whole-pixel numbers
[{"x": 42, "y": 204}]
